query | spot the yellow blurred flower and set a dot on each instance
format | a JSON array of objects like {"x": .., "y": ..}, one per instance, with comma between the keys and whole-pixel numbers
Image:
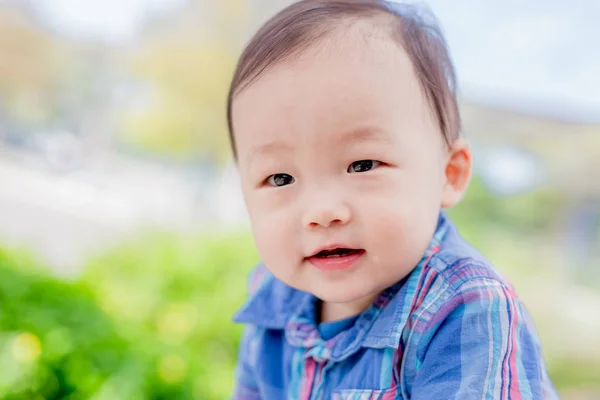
[
  {"x": 176, "y": 322},
  {"x": 172, "y": 369},
  {"x": 26, "y": 347}
]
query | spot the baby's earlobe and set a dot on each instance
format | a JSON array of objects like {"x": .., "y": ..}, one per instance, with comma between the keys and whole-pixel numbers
[{"x": 458, "y": 173}]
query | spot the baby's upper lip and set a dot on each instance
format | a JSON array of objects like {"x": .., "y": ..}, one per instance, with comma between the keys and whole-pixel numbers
[{"x": 330, "y": 247}]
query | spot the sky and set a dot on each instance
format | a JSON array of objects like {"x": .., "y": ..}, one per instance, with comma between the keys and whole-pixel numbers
[
  {"x": 110, "y": 21},
  {"x": 538, "y": 56},
  {"x": 527, "y": 55}
]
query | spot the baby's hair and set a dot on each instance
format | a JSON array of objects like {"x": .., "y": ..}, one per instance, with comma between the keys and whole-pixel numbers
[{"x": 299, "y": 26}]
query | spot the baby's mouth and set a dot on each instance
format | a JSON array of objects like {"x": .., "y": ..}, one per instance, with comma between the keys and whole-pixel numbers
[
  {"x": 337, "y": 252},
  {"x": 336, "y": 258}
]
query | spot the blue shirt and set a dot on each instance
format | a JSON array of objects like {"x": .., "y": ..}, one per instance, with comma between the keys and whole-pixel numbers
[
  {"x": 329, "y": 330},
  {"x": 452, "y": 329}
]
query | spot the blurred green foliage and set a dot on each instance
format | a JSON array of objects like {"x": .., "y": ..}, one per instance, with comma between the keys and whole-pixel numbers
[
  {"x": 526, "y": 214},
  {"x": 150, "y": 320},
  {"x": 55, "y": 342},
  {"x": 173, "y": 299}
]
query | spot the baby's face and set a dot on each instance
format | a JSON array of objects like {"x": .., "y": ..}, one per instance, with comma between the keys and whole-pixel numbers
[{"x": 338, "y": 151}]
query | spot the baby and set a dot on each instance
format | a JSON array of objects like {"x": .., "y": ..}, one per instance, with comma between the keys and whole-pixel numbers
[{"x": 345, "y": 127}]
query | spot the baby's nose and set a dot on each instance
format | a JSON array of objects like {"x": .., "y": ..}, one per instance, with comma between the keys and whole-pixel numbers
[{"x": 327, "y": 213}]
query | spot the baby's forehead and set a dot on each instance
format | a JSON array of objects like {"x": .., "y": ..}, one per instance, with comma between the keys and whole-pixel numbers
[
  {"x": 341, "y": 76},
  {"x": 350, "y": 36},
  {"x": 352, "y": 49},
  {"x": 371, "y": 31}
]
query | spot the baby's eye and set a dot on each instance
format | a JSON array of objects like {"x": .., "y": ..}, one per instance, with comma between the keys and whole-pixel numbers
[
  {"x": 363, "y": 166},
  {"x": 280, "y": 180}
]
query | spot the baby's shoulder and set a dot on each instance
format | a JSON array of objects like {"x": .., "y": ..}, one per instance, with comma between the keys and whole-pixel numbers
[
  {"x": 459, "y": 263},
  {"x": 460, "y": 276}
]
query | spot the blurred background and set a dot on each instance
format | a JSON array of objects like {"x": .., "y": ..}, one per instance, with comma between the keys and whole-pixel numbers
[{"x": 124, "y": 244}]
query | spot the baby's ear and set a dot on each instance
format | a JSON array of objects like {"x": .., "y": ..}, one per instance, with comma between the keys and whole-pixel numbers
[{"x": 458, "y": 173}]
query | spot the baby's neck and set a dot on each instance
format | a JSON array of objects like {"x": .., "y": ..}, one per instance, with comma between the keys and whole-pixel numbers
[{"x": 329, "y": 311}]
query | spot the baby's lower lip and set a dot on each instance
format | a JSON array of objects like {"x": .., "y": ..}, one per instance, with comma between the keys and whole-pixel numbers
[{"x": 338, "y": 262}]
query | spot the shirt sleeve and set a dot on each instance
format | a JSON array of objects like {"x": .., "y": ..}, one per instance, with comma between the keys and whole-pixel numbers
[
  {"x": 245, "y": 385},
  {"x": 481, "y": 345}
]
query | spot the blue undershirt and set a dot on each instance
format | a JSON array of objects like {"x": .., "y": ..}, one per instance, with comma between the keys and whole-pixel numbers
[{"x": 329, "y": 330}]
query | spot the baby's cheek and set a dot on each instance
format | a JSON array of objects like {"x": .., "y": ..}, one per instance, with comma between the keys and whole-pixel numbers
[
  {"x": 389, "y": 234},
  {"x": 398, "y": 231},
  {"x": 385, "y": 214},
  {"x": 273, "y": 236}
]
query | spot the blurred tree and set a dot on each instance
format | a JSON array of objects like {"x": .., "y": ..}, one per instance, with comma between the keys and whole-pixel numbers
[
  {"x": 29, "y": 63},
  {"x": 46, "y": 79},
  {"x": 185, "y": 112},
  {"x": 185, "y": 65}
]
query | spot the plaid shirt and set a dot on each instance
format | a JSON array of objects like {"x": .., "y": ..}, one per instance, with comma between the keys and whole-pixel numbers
[{"x": 452, "y": 329}]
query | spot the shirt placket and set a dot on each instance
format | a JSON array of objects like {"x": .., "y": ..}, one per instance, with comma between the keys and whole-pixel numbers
[{"x": 315, "y": 375}]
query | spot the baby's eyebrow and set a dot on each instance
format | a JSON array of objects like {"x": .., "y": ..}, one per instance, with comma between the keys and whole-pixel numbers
[
  {"x": 363, "y": 134},
  {"x": 357, "y": 135},
  {"x": 267, "y": 149}
]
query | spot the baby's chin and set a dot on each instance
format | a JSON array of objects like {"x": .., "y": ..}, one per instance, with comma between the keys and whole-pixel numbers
[
  {"x": 357, "y": 296},
  {"x": 357, "y": 287},
  {"x": 345, "y": 297}
]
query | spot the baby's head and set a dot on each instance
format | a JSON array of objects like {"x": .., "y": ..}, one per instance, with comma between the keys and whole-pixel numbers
[{"x": 344, "y": 123}]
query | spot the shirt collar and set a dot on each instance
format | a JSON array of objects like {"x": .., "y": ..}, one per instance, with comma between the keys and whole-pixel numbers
[{"x": 274, "y": 305}]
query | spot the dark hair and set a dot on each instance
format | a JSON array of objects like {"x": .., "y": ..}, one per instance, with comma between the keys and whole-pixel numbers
[{"x": 300, "y": 25}]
